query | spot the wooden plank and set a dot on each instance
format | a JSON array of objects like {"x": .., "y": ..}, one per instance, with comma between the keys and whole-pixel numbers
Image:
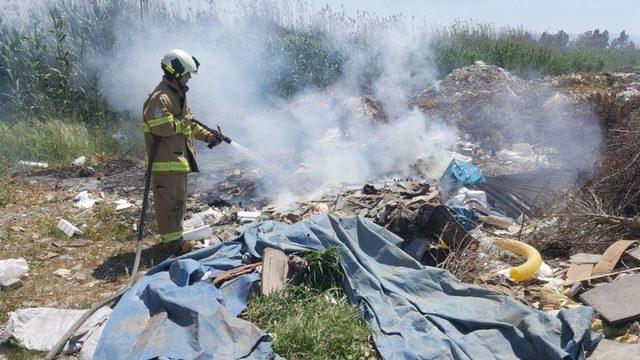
[
  {"x": 578, "y": 272},
  {"x": 274, "y": 270},
  {"x": 615, "y": 301},
  {"x": 611, "y": 256}
]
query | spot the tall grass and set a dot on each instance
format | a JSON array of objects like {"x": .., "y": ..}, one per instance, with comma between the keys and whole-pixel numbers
[
  {"x": 517, "y": 50},
  {"x": 57, "y": 140},
  {"x": 47, "y": 72}
]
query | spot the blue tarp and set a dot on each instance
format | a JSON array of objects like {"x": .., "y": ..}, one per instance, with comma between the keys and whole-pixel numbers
[{"x": 414, "y": 311}]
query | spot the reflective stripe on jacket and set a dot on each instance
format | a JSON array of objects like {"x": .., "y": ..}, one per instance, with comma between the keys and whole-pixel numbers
[{"x": 167, "y": 118}]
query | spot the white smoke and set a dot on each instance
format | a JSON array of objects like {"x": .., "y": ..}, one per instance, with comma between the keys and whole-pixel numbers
[{"x": 318, "y": 137}]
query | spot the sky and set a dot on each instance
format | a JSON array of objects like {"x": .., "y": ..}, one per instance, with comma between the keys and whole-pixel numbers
[{"x": 572, "y": 16}]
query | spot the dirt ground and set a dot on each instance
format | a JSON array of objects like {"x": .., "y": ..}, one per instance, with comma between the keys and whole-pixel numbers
[{"x": 99, "y": 259}]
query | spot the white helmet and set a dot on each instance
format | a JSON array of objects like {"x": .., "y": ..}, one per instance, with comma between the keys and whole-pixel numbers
[{"x": 178, "y": 62}]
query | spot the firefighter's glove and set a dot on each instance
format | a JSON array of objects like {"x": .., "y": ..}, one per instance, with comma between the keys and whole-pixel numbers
[{"x": 214, "y": 139}]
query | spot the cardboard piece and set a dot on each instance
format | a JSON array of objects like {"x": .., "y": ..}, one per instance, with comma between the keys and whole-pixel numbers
[
  {"x": 611, "y": 256},
  {"x": 578, "y": 272}
]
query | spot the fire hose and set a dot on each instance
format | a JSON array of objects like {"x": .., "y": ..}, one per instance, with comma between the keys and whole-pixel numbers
[{"x": 57, "y": 348}]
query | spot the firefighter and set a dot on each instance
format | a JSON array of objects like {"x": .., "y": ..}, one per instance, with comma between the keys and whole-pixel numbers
[{"x": 167, "y": 120}]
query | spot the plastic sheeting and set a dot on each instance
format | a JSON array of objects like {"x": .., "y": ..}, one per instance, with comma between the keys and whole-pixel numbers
[
  {"x": 39, "y": 329},
  {"x": 458, "y": 174},
  {"x": 415, "y": 312}
]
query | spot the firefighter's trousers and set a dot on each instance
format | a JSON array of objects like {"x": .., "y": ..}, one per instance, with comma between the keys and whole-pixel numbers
[{"x": 169, "y": 200}]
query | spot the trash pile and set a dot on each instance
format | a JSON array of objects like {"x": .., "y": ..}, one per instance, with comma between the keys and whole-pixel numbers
[{"x": 416, "y": 249}]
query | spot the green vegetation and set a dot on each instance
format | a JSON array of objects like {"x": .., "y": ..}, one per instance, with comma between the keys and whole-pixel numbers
[
  {"x": 52, "y": 140},
  {"x": 16, "y": 352},
  {"x": 54, "y": 61},
  {"x": 309, "y": 324},
  {"x": 518, "y": 51},
  {"x": 314, "y": 320},
  {"x": 7, "y": 195}
]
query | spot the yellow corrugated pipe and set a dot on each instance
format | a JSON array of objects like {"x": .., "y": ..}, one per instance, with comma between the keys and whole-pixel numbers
[{"x": 529, "y": 267}]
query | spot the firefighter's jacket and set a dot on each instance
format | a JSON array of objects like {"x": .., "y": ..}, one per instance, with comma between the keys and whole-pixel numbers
[{"x": 167, "y": 119}]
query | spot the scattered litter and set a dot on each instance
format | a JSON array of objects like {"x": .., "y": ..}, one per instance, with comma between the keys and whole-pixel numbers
[
  {"x": 233, "y": 273},
  {"x": 634, "y": 253},
  {"x": 369, "y": 189},
  {"x": 11, "y": 269},
  {"x": 529, "y": 267},
  {"x": 34, "y": 164},
  {"x": 458, "y": 174},
  {"x": 584, "y": 258},
  {"x": 213, "y": 216},
  {"x": 68, "y": 228},
  {"x": 248, "y": 216},
  {"x": 10, "y": 284},
  {"x": 200, "y": 233},
  {"x": 36, "y": 329},
  {"x": 48, "y": 255},
  {"x": 84, "y": 200},
  {"x": 602, "y": 276},
  {"x": 578, "y": 272},
  {"x": 628, "y": 94},
  {"x": 122, "y": 204},
  {"x": 78, "y": 243},
  {"x": 545, "y": 273},
  {"x": 275, "y": 266},
  {"x": 63, "y": 273},
  {"x": 617, "y": 301},
  {"x": 552, "y": 299},
  {"x": 611, "y": 256},
  {"x": 18, "y": 229},
  {"x": 497, "y": 220},
  {"x": 80, "y": 161},
  {"x": 193, "y": 222}
]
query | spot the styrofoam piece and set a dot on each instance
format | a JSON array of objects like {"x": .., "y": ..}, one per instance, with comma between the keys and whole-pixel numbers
[
  {"x": 68, "y": 228},
  {"x": 200, "y": 233},
  {"x": 80, "y": 161},
  {"x": 248, "y": 216},
  {"x": 194, "y": 222},
  {"x": 211, "y": 214},
  {"x": 34, "y": 164},
  {"x": 204, "y": 214},
  {"x": 13, "y": 268},
  {"x": 122, "y": 204},
  {"x": 83, "y": 200}
]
